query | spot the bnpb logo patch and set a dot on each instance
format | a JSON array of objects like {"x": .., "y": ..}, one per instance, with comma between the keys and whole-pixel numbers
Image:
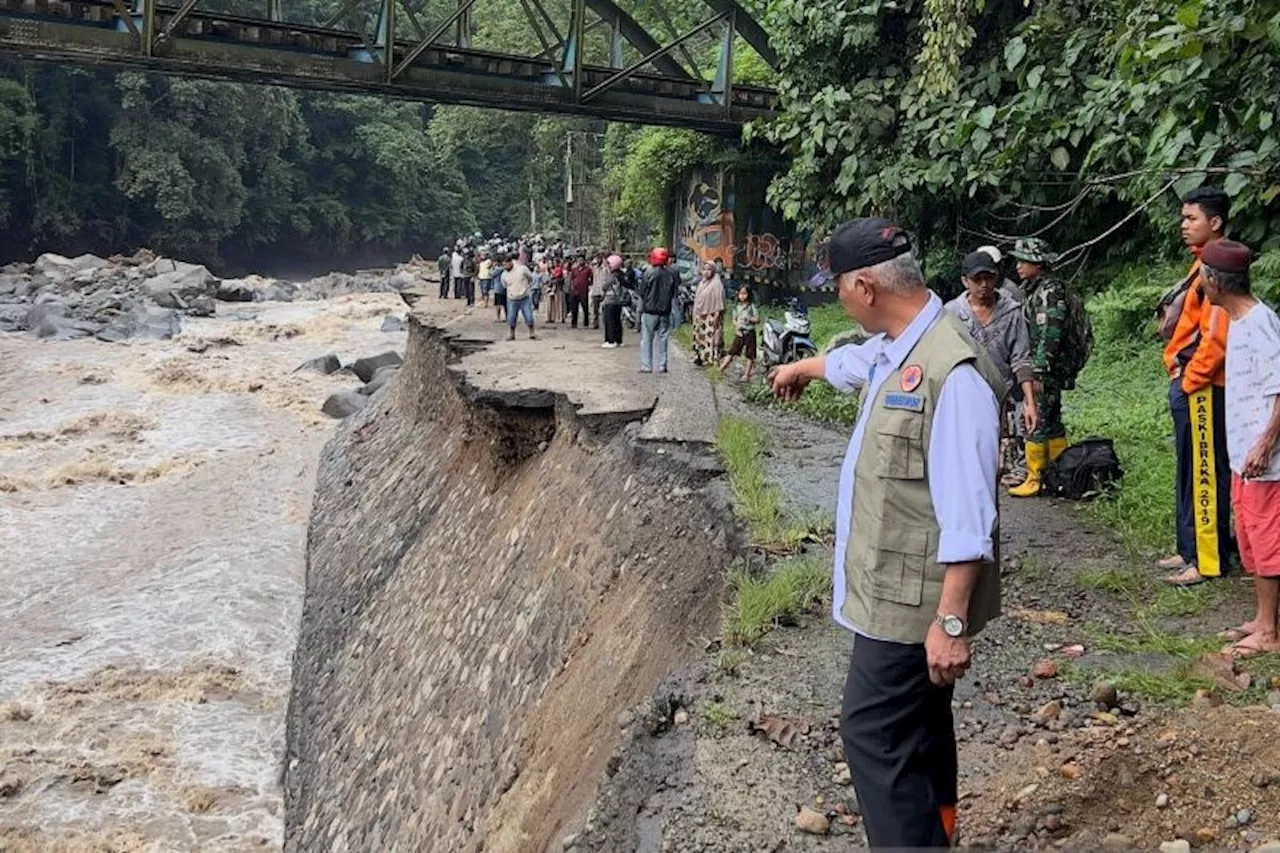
[{"x": 912, "y": 376}]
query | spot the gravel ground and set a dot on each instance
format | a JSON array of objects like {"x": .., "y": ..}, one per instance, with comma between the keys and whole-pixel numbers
[{"x": 1042, "y": 764}]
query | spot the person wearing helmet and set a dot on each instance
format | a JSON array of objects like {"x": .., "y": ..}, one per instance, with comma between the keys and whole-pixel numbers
[
  {"x": 611, "y": 299},
  {"x": 1046, "y": 313},
  {"x": 657, "y": 292}
]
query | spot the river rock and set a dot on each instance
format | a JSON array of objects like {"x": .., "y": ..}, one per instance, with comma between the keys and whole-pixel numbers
[
  {"x": 365, "y": 368},
  {"x": 1180, "y": 845},
  {"x": 344, "y": 404},
  {"x": 812, "y": 822},
  {"x": 392, "y": 323},
  {"x": 1116, "y": 841},
  {"x": 1105, "y": 694},
  {"x": 177, "y": 284},
  {"x": 142, "y": 321},
  {"x": 382, "y": 377},
  {"x": 324, "y": 364}
]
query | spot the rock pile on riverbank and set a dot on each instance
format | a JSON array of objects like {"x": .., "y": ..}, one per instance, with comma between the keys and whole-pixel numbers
[{"x": 144, "y": 296}]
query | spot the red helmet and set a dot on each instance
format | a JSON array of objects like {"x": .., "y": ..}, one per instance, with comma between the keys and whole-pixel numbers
[{"x": 658, "y": 257}]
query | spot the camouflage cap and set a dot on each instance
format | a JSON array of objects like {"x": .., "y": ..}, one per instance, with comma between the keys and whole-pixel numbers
[{"x": 1033, "y": 250}]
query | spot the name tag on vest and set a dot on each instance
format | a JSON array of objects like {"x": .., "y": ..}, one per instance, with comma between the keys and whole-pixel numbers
[{"x": 910, "y": 402}]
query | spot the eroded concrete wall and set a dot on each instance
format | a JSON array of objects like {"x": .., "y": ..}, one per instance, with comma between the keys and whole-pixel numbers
[{"x": 490, "y": 581}]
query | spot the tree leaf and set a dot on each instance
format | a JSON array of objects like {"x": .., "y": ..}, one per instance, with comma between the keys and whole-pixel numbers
[
  {"x": 980, "y": 140},
  {"x": 1034, "y": 76},
  {"x": 1188, "y": 14},
  {"x": 1014, "y": 51},
  {"x": 986, "y": 116},
  {"x": 1060, "y": 158},
  {"x": 1234, "y": 183}
]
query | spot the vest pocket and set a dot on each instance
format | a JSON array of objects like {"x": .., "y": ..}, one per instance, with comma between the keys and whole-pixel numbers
[
  {"x": 900, "y": 445},
  {"x": 901, "y": 557}
]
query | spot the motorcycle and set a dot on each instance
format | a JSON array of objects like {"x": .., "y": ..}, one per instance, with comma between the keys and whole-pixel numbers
[{"x": 788, "y": 341}]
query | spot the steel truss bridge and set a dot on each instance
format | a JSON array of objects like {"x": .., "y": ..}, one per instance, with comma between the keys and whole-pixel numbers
[{"x": 437, "y": 63}]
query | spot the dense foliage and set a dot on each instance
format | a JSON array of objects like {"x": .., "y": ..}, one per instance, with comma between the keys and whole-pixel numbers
[
  {"x": 105, "y": 162},
  {"x": 971, "y": 119}
]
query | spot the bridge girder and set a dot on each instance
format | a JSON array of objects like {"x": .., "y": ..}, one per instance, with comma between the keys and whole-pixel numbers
[{"x": 191, "y": 41}]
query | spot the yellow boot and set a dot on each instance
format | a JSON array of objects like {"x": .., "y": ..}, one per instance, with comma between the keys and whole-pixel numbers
[
  {"x": 1037, "y": 459},
  {"x": 1056, "y": 446}
]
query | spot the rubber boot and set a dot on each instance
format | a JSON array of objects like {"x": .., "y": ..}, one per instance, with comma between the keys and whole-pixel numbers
[
  {"x": 1056, "y": 446},
  {"x": 1037, "y": 459}
]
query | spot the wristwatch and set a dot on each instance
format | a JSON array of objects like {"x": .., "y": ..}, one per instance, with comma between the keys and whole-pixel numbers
[{"x": 951, "y": 625}]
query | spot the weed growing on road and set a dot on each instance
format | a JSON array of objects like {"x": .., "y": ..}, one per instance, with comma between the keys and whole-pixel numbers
[
  {"x": 1113, "y": 581},
  {"x": 1184, "y": 601},
  {"x": 741, "y": 443},
  {"x": 1148, "y": 639},
  {"x": 719, "y": 715},
  {"x": 760, "y": 604}
]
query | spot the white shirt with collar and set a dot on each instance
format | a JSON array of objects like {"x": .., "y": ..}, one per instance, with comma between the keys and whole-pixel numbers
[{"x": 963, "y": 455}]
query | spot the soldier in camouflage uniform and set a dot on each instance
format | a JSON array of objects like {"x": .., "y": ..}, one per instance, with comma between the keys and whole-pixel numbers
[{"x": 1046, "y": 310}]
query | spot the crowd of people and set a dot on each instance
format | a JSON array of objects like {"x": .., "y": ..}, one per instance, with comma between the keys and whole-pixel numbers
[{"x": 584, "y": 288}]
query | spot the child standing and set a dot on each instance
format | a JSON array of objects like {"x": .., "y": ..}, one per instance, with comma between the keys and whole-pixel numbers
[{"x": 745, "y": 319}]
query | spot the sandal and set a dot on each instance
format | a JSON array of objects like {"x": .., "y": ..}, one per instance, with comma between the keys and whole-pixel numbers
[{"x": 1190, "y": 576}]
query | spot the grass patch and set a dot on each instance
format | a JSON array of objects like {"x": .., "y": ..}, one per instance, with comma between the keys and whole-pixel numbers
[
  {"x": 1185, "y": 601},
  {"x": 741, "y": 444},
  {"x": 1122, "y": 582},
  {"x": 760, "y": 604},
  {"x": 730, "y": 662},
  {"x": 719, "y": 715},
  {"x": 1173, "y": 686},
  {"x": 1151, "y": 640}
]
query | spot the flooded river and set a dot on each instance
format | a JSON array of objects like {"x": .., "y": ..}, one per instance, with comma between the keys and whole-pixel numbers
[{"x": 153, "y": 506}]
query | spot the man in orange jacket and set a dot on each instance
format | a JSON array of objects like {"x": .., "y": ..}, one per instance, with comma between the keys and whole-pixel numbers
[{"x": 1195, "y": 356}]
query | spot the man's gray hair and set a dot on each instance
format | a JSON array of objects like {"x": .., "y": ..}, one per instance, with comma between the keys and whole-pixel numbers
[{"x": 900, "y": 275}]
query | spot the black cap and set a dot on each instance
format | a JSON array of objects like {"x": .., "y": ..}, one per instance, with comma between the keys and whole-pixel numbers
[
  {"x": 978, "y": 262},
  {"x": 861, "y": 243}
]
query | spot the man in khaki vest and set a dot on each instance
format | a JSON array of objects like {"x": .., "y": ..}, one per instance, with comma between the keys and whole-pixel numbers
[{"x": 916, "y": 528}]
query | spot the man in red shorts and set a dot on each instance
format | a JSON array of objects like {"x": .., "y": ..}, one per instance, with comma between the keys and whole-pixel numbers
[{"x": 1253, "y": 429}]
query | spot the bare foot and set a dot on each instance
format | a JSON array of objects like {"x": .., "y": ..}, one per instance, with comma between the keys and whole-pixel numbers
[
  {"x": 1257, "y": 643},
  {"x": 1238, "y": 633}
]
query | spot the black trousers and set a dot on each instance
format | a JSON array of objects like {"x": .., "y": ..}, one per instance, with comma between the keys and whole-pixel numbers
[
  {"x": 444, "y": 285},
  {"x": 469, "y": 290},
  {"x": 900, "y": 743},
  {"x": 458, "y": 284},
  {"x": 1203, "y": 483},
  {"x": 576, "y": 303},
  {"x": 612, "y": 324}
]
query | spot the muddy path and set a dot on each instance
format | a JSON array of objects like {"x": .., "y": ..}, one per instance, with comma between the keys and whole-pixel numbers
[
  {"x": 1043, "y": 765},
  {"x": 153, "y": 507}
]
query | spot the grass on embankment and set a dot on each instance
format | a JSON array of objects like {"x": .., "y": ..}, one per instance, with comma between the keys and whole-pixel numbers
[
  {"x": 741, "y": 444},
  {"x": 792, "y": 586}
]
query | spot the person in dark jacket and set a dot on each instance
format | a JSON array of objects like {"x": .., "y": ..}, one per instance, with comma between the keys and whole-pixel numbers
[
  {"x": 579, "y": 290},
  {"x": 657, "y": 290}
]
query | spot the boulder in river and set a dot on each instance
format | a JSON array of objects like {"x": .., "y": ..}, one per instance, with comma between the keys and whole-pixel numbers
[
  {"x": 177, "y": 284},
  {"x": 383, "y": 375},
  {"x": 324, "y": 364},
  {"x": 365, "y": 368},
  {"x": 392, "y": 323},
  {"x": 142, "y": 321},
  {"x": 344, "y": 404}
]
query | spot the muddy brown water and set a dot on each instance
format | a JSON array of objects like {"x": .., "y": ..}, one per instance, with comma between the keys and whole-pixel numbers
[{"x": 153, "y": 507}]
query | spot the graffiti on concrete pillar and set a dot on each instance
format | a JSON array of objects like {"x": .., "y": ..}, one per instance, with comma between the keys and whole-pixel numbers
[
  {"x": 705, "y": 226},
  {"x": 764, "y": 252}
]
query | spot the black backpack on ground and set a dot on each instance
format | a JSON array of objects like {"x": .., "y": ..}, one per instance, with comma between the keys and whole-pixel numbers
[{"x": 1083, "y": 471}]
